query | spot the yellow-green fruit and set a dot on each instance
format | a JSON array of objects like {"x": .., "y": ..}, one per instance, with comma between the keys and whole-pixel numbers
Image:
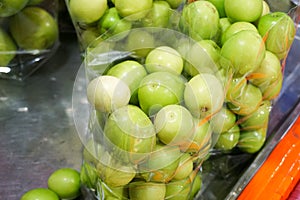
[
  {"x": 34, "y": 28},
  {"x": 133, "y": 9},
  {"x": 11, "y": 7},
  {"x": 7, "y": 48},
  {"x": 87, "y": 11}
]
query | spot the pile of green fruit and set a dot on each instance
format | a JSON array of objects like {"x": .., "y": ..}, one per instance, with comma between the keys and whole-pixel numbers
[
  {"x": 63, "y": 183},
  {"x": 168, "y": 83},
  {"x": 26, "y": 28}
]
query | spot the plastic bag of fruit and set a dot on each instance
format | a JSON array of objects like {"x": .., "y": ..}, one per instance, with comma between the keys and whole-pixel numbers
[
  {"x": 29, "y": 35},
  {"x": 164, "y": 87}
]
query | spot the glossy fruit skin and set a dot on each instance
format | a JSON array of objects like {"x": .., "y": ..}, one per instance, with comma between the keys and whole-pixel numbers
[
  {"x": 178, "y": 189},
  {"x": 87, "y": 13},
  {"x": 258, "y": 119},
  {"x": 132, "y": 73},
  {"x": 40, "y": 194},
  {"x": 158, "y": 16},
  {"x": 141, "y": 42},
  {"x": 111, "y": 24},
  {"x": 238, "y": 10},
  {"x": 248, "y": 102},
  {"x": 244, "y": 52},
  {"x": 130, "y": 132},
  {"x": 173, "y": 124},
  {"x": 133, "y": 9},
  {"x": 268, "y": 72},
  {"x": 278, "y": 30},
  {"x": 228, "y": 139},
  {"x": 146, "y": 190},
  {"x": 10, "y": 7},
  {"x": 6, "y": 44},
  {"x": 161, "y": 164},
  {"x": 200, "y": 14},
  {"x": 203, "y": 95},
  {"x": 235, "y": 28},
  {"x": 185, "y": 167},
  {"x": 65, "y": 182},
  {"x": 34, "y": 28},
  {"x": 164, "y": 58},
  {"x": 223, "y": 120},
  {"x": 107, "y": 93},
  {"x": 113, "y": 172},
  {"x": 159, "y": 89},
  {"x": 252, "y": 141}
]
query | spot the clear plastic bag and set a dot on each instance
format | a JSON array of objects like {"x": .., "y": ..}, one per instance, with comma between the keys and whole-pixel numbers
[
  {"x": 225, "y": 89},
  {"x": 29, "y": 36}
]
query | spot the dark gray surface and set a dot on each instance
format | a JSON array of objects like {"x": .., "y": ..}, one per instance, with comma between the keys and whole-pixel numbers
[{"x": 37, "y": 132}]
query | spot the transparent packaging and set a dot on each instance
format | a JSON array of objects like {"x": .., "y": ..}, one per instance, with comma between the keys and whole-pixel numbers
[
  {"x": 29, "y": 36},
  {"x": 224, "y": 82}
]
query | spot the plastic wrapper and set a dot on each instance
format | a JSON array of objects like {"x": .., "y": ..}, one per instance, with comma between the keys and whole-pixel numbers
[
  {"x": 29, "y": 35},
  {"x": 147, "y": 123}
]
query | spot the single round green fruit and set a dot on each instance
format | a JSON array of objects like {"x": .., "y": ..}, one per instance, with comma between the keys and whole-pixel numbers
[
  {"x": 268, "y": 72},
  {"x": 164, "y": 58},
  {"x": 40, "y": 194},
  {"x": 84, "y": 12},
  {"x": 244, "y": 52},
  {"x": 200, "y": 14},
  {"x": 161, "y": 164},
  {"x": 111, "y": 23},
  {"x": 7, "y": 48},
  {"x": 258, "y": 119},
  {"x": 147, "y": 190},
  {"x": 223, "y": 120},
  {"x": 130, "y": 132},
  {"x": 273, "y": 90},
  {"x": 248, "y": 11},
  {"x": 235, "y": 88},
  {"x": 159, "y": 89},
  {"x": 133, "y": 9},
  {"x": 113, "y": 172},
  {"x": 34, "y": 28},
  {"x": 200, "y": 142},
  {"x": 178, "y": 189},
  {"x": 247, "y": 102},
  {"x": 252, "y": 141},
  {"x": 185, "y": 167},
  {"x": 11, "y": 7},
  {"x": 132, "y": 73},
  {"x": 204, "y": 95},
  {"x": 158, "y": 16},
  {"x": 235, "y": 28},
  {"x": 140, "y": 41},
  {"x": 107, "y": 93},
  {"x": 202, "y": 57},
  {"x": 228, "y": 139},
  {"x": 278, "y": 31},
  {"x": 65, "y": 182},
  {"x": 173, "y": 124}
]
